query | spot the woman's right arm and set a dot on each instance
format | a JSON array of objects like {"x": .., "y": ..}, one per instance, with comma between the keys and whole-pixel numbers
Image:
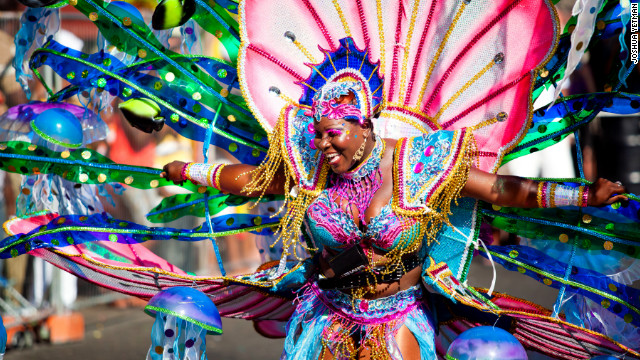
[
  {"x": 514, "y": 191},
  {"x": 231, "y": 178}
]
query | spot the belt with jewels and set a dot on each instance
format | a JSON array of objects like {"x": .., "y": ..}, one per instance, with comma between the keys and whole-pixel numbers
[{"x": 377, "y": 275}]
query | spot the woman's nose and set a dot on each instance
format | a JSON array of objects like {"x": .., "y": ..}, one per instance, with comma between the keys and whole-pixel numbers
[{"x": 324, "y": 143}]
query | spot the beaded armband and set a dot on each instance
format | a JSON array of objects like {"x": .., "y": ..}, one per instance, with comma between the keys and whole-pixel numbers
[
  {"x": 183, "y": 173},
  {"x": 204, "y": 174},
  {"x": 216, "y": 176},
  {"x": 551, "y": 194},
  {"x": 585, "y": 196}
]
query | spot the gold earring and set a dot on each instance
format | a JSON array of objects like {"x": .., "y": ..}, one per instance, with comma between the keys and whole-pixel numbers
[{"x": 360, "y": 153}]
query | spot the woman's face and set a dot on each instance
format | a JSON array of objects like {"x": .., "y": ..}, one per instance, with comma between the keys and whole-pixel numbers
[{"x": 339, "y": 140}]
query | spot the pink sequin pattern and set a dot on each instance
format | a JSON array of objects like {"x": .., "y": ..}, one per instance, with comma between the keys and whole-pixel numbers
[{"x": 334, "y": 111}]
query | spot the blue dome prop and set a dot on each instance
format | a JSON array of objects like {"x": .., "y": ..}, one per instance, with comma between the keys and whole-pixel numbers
[
  {"x": 59, "y": 127},
  {"x": 486, "y": 343},
  {"x": 122, "y": 9},
  {"x": 187, "y": 304}
]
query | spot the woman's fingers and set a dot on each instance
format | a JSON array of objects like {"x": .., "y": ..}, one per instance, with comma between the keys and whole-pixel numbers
[
  {"x": 619, "y": 188},
  {"x": 172, "y": 172},
  {"x": 604, "y": 192},
  {"x": 615, "y": 189},
  {"x": 615, "y": 199}
]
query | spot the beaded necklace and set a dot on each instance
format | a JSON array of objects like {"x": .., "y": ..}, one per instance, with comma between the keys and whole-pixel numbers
[{"x": 358, "y": 186}]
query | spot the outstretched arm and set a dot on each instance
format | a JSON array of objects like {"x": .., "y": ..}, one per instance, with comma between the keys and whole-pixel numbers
[
  {"x": 231, "y": 178},
  {"x": 513, "y": 191}
]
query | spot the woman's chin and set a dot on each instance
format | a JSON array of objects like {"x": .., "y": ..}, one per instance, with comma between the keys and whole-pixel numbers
[
  {"x": 342, "y": 166},
  {"x": 339, "y": 167}
]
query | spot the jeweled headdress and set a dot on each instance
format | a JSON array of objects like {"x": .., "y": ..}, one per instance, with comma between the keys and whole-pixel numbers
[
  {"x": 470, "y": 68},
  {"x": 346, "y": 70}
]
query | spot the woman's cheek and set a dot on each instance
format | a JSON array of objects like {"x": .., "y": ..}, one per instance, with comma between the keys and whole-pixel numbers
[
  {"x": 343, "y": 144},
  {"x": 345, "y": 138},
  {"x": 346, "y": 134}
]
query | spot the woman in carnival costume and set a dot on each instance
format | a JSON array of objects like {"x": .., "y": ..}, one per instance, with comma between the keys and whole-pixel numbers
[
  {"x": 369, "y": 250},
  {"x": 450, "y": 84}
]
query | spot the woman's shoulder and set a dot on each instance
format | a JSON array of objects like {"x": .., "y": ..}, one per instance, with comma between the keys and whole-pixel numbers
[{"x": 389, "y": 144}]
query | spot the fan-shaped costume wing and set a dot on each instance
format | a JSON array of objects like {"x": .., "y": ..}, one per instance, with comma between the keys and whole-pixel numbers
[{"x": 434, "y": 56}]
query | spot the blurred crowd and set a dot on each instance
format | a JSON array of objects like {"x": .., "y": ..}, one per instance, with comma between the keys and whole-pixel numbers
[
  {"x": 125, "y": 145},
  {"x": 610, "y": 147}
]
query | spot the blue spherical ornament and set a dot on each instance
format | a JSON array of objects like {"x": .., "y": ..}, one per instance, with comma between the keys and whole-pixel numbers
[
  {"x": 187, "y": 304},
  {"x": 486, "y": 343},
  {"x": 59, "y": 127},
  {"x": 122, "y": 9}
]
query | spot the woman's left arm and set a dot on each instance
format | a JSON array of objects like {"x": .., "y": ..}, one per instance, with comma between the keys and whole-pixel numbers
[{"x": 514, "y": 191}]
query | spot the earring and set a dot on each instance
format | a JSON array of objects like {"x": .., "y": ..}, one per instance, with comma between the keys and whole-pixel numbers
[{"x": 360, "y": 153}]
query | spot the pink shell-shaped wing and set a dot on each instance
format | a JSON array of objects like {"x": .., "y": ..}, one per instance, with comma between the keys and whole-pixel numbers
[
  {"x": 279, "y": 39},
  {"x": 446, "y": 64}
]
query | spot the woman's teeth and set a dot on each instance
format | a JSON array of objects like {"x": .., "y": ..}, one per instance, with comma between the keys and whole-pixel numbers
[{"x": 333, "y": 158}]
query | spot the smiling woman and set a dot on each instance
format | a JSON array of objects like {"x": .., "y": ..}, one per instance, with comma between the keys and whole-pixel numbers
[
  {"x": 370, "y": 241},
  {"x": 377, "y": 234}
]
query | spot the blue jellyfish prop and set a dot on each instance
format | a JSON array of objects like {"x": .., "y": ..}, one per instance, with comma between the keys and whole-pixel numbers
[
  {"x": 183, "y": 317},
  {"x": 53, "y": 120},
  {"x": 486, "y": 343},
  {"x": 57, "y": 128}
]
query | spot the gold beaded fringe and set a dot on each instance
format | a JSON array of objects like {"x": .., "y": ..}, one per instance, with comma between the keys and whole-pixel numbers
[
  {"x": 440, "y": 202},
  {"x": 339, "y": 343},
  {"x": 427, "y": 222},
  {"x": 295, "y": 205}
]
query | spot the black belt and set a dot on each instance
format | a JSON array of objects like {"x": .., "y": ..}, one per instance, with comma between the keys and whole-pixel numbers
[{"x": 366, "y": 278}]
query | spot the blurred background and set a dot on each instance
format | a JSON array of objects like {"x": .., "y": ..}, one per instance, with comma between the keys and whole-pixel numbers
[{"x": 114, "y": 326}]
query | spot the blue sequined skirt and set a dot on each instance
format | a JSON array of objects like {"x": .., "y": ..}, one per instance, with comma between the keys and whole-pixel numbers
[{"x": 330, "y": 320}]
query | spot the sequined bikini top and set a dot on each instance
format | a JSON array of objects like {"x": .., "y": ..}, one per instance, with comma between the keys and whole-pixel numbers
[{"x": 328, "y": 224}]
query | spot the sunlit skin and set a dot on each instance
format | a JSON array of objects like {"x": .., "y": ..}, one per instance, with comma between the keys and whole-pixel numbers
[{"x": 340, "y": 139}]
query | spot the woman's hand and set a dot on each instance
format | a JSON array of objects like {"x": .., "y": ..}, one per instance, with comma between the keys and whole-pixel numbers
[
  {"x": 173, "y": 172},
  {"x": 604, "y": 192}
]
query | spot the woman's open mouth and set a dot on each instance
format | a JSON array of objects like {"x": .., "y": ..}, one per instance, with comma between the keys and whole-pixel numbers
[{"x": 333, "y": 158}]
